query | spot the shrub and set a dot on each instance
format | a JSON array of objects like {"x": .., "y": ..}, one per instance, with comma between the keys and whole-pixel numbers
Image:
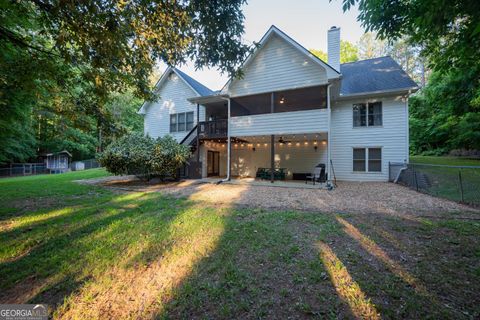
[
  {"x": 130, "y": 154},
  {"x": 143, "y": 156},
  {"x": 168, "y": 156}
]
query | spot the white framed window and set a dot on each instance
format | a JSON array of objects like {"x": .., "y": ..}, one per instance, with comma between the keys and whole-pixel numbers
[
  {"x": 367, "y": 159},
  {"x": 180, "y": 122},
  {"x": 173, "y": 122},
  {"x": 189, "y": 121},
  {"x": 367, "y": 114}
]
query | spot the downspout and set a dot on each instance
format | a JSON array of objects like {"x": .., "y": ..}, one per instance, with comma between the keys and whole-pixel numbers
[
  {"x": 407, "y": 129},
  {"x": 229, "y": 146},
  {"x": 329, "y": 115},
  {"x": 198, "y": 138}
]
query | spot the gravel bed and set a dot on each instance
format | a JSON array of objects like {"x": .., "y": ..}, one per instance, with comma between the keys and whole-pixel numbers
[{"x": 348, "y": 197}]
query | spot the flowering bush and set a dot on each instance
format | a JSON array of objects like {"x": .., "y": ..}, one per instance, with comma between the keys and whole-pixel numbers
[{"x": 145, "y": 157}]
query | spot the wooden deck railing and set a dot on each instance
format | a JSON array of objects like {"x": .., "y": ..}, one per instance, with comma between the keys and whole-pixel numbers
[{"x": 213, "y": 129}]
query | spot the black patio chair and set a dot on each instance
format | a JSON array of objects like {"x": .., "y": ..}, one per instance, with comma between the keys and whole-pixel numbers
[{"x": 318, "y": 174}]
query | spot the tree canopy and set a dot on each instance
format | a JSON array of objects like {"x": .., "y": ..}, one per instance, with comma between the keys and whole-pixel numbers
[
  {"x": 65, "y": 65},
  {"x": 448, "y": 31}
]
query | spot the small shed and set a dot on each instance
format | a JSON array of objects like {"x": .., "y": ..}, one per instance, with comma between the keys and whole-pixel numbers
[{"x": 58, "y": 162}]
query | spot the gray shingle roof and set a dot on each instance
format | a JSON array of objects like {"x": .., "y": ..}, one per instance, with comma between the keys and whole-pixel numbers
[
  {"x": 377, "y": 74},
  {"x": 197, "y": 86}
]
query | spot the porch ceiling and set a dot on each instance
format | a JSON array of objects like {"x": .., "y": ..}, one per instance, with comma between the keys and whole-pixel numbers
[{"x": 299, "y": 137}]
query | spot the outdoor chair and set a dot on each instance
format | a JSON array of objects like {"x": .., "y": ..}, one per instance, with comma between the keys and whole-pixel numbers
[
  {"x": 279, "y": 174},
  {"x": 263, "y": 173},
  {"x": 318, "y": 174}
]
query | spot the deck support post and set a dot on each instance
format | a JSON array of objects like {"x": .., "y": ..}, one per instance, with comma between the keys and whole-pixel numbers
[
  {"x": 198, "y": 138},
  {"x": 229, "y": 143},
  {"x": 272, "y": 158},
  {"x": 329, "y": 115}
]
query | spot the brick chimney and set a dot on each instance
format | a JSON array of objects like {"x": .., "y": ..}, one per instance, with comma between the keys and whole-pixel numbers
[{"x": 334, "y": 48}]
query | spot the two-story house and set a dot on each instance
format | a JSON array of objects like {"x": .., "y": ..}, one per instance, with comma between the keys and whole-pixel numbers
[{"x": 291, "y": 111}]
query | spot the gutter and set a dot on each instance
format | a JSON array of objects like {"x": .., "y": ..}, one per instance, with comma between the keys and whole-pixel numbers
[{"x": 379, "y": 92}]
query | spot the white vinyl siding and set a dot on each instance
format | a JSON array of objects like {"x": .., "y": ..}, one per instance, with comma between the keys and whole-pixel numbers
[
  {"x": 173, "y": 99},
  {"x": 391, "y": 137},
  {"x": 278, "y": 65},
  {"x": 309, "y": 121}
]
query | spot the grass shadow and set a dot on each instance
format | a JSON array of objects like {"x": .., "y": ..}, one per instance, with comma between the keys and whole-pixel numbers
[{"x": 81, "y": 245}]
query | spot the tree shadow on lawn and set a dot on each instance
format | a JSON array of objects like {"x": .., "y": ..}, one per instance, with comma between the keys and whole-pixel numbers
[
  {"x": 437, "y": 260},
  {"x": 140, "y": 255},
  {"x": 66, "y": 251},
  {"x": 303, "y": 265}
]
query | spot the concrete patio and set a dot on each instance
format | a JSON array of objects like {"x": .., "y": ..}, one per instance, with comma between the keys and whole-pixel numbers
[{"x": 297, "y": 184}]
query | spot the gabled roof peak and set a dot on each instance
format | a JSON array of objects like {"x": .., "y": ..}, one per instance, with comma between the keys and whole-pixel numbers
[{"x": 193, "y": 84}]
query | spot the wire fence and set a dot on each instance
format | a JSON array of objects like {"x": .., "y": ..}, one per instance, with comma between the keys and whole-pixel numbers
[
  {"x": 27, "y": 169},
  {"x": 23, "y": 169},
  {"x": 458, "y": 183},
  {"x": 84, "y": 165}
]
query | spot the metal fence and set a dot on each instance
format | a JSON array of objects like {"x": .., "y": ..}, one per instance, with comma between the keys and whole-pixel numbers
[
  {"x": 458, "y": 183},
  {"x": 23, "y": 169},
  {"x": 84, "y": 165},
  {"x": 26, "y": 169}
]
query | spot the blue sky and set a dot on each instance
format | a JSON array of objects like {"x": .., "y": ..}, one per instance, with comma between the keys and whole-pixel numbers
[{"x": 306, "y": 21}]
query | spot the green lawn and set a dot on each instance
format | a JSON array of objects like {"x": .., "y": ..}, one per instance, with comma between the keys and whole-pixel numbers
[
  {"x": 92, "y": 253},
  {"x": 451, "y": 161}
]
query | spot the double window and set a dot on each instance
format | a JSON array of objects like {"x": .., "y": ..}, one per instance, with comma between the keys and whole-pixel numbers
[
  {"x": 367, "y": 114},
  {"x": 367, "y": 159},
  {"x": 180, "y": 122}
]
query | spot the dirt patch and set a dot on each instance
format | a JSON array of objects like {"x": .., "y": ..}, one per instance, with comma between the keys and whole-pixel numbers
[{"x": 348, "y": 197}]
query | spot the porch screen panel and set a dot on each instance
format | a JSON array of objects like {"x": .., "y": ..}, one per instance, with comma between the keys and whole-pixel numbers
[
  {"x": 251, "y": 105},
  {"x": 301, "y": 99}
]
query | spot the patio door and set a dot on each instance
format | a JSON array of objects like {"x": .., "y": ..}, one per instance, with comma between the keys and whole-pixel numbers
[{"x": 213, "y": 163}]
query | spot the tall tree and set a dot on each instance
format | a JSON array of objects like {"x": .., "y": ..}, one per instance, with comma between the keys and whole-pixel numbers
[
  {"x": 348, "y": 52},
  {"x": 410, "y": 59},
  {"x": 370, "y": 47}
]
